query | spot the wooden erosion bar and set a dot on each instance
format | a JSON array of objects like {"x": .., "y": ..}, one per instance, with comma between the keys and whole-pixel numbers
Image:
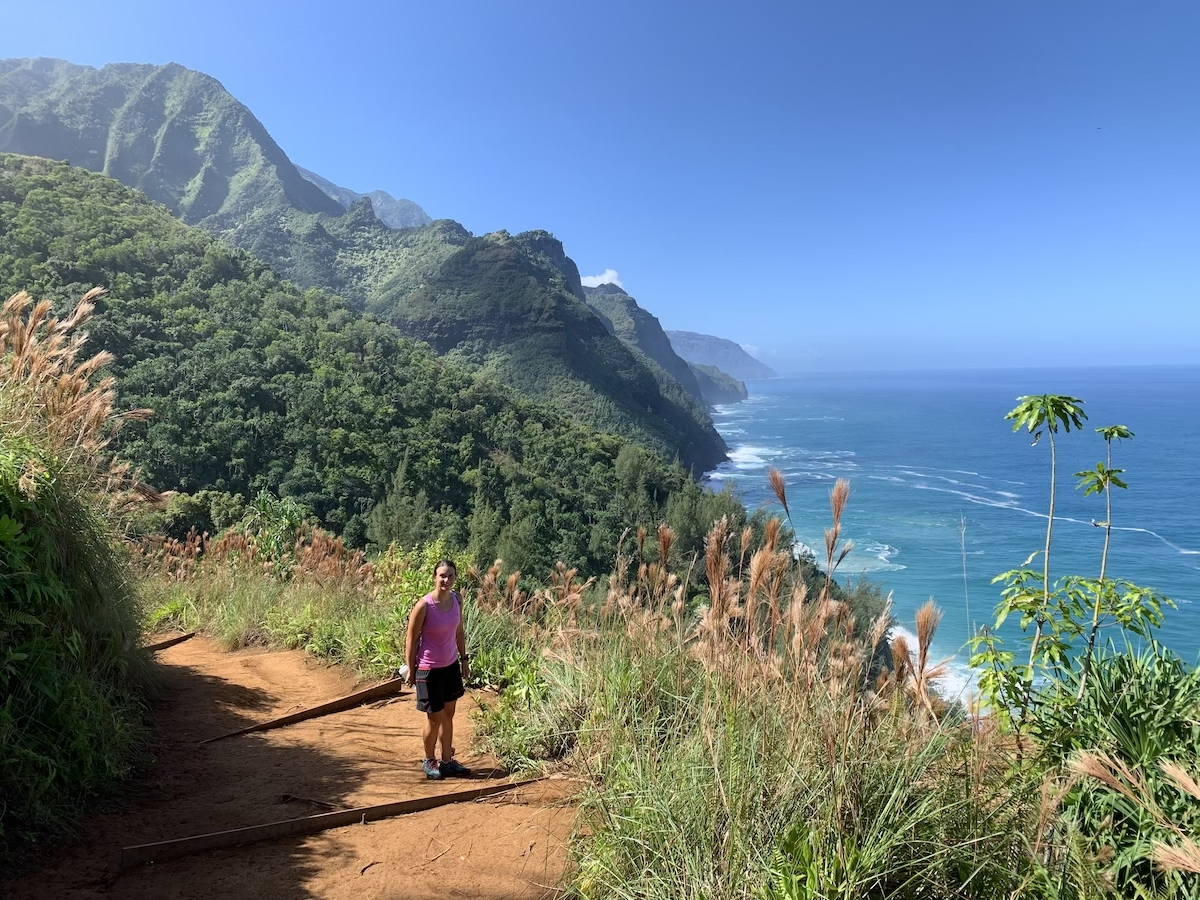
[
  {"x": 164, "y": 850},
  {"x": 170, "y": 642},
  {"x": 358, "y": 698}
]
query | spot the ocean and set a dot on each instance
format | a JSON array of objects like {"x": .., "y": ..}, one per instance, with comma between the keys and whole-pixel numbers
[{"x": 939, "y": 478}]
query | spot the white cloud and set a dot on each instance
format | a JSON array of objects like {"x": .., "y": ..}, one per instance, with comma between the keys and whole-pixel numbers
[
  {"x": 609, "y": 276},
  {"x": 751, "y": 349}
]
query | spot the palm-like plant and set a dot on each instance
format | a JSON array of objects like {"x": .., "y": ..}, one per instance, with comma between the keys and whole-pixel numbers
[
  {"x": 1037, "y": 413},
  {"x": 1093, "y": 481}
]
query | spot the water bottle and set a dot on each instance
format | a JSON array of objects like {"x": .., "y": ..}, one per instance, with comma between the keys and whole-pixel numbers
[{"x": 404, "y": 672}]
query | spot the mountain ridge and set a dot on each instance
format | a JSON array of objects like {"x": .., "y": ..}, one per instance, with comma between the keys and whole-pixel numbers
[
  {"x": 392, "y": 212},
  {"x": 640, "y": 328},
  {"x": 726, "y": 355},
  {"x": 499, "y": 305}
]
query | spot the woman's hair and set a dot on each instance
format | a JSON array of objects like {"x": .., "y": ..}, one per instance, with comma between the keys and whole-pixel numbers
[{"x": 445, "y": 562}]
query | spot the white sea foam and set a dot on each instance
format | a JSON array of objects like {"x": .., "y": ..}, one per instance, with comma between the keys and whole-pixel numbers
[
  {"x": 867, "y": 558},
  {"x": 958, "y": 680},
  {"x": 749, "y": 456},
  {"x": 800, "y": 549},
  {"x": 1176, "y": 547},
  {"x": 878, "y": 558},
  {"x": 975, "y": 498}
]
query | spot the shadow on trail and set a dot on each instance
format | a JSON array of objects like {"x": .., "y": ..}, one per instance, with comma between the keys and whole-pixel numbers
[{"x": 193, "y": 788}]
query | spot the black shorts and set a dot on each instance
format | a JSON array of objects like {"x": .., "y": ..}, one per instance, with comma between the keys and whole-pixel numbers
[{"x": 437, "y": 687}]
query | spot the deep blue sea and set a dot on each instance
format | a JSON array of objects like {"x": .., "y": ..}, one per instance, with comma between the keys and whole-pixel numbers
[{"x": 926, "y": 452}]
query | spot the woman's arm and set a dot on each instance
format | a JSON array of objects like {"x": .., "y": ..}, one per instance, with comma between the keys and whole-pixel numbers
[
  {"x": 460, "y": 638},
  {"x": 416, "y": 621}
]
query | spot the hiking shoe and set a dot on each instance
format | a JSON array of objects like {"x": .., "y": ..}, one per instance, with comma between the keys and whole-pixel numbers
[
  {"x": 432, "y": 770},
  {"x": 450, "y": 768}
]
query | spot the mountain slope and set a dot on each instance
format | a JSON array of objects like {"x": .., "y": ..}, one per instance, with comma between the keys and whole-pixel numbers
[
  {"x": 391, "y": 212},
  {"x": 257, "y": 385},
  {"x": 718, "y": 387},
  {"x": 494, "y": 306},
  {"x": 175, "y": 134},
  {"x": 706, "y": 350},
  {"x": 499, "y": 304},
  {"x": 637, "y": 327}
]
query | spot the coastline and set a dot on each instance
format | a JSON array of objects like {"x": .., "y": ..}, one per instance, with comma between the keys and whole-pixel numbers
[{"x": 929, "y": 451}]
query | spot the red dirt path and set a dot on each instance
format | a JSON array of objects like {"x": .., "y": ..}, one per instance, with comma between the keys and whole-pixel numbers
[{"x": 511, "y": 846}]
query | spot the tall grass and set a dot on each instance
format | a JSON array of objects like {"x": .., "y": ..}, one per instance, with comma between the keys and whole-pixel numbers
[
  {"x": 752, "y": 745},
  {"x": 250, "y": 586},
  {"x": 70, "y": 672}
]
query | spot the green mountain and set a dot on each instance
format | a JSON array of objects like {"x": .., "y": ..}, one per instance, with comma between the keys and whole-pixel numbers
[
  {"x": 257, "y": 385},
  {"x": 502, "y": 305},
  {"x": 706, "y": 350},
  {"x": 497, "y": 304},
  {"x": 718, "y": 387},
  {"x": 638, "y": 328},
  {"x": 391, "y": 212},
  {"x": 174, "y": 134}
]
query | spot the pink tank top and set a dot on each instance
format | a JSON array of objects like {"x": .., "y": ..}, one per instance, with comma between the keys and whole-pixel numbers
[{"x": 438, "y": 646}]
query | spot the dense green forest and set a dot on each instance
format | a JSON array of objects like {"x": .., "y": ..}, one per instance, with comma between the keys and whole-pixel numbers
[
  {"x": 257, "y": 385},
  {"x": 497, "y": 304}
]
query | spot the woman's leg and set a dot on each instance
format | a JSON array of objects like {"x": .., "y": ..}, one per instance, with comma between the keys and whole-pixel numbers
[
  {"x": 433, "y": 723},
  {"x": 447, "y": 730}
]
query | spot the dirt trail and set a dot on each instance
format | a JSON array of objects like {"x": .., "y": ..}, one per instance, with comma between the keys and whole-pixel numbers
[{"x": 510, "y": 846}]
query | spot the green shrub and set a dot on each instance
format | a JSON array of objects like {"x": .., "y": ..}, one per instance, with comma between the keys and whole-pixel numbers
[{"x": 70, "y": 672}]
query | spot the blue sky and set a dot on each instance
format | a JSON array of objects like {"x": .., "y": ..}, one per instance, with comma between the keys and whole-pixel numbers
[{"x": 841, "y": 185}]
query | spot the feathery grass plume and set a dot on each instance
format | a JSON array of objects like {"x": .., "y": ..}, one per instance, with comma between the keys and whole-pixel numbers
[
  {"x": 641, "y": 540},
  {"x": 1180, "y": 777},
  {"x": 488, "y": 595},
  {"x": 666, "y": 537},
  {"x": 760, "y": 572},
  {"x": 514, "y": 598},
  {"x": 1114, "y": 773},
  {"x": 716, "y": 566},
  {"x": 901, "y": 660},
  {"x": 838, "y": 496},
  {"x": 780, "y": 563},
  {"x": 928, "y": 618},
  {"x": 73, "y": 410},
  {"x": 771, "y": 534},
  {"x": 880, "y": 626},
  {"x": 1181, "y": 857},
  {"x": 616, "y": 580},
  {"x": 566, "y": 593},
  {"x": 779, "y": 487},
  {"x": 747, "y": 537}
]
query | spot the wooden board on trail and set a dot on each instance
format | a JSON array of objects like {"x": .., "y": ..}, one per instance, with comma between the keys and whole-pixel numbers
[
  {"x": 358, "y": 698},
  {"x": 170, "y": 642},
  {"x": 236, "y": 837}
]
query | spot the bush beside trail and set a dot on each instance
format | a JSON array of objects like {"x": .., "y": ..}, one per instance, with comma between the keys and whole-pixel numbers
[{"x": 71, "y": 675}]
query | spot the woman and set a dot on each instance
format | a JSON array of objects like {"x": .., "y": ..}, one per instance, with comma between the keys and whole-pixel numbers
[{"x": 436, "y": 652}]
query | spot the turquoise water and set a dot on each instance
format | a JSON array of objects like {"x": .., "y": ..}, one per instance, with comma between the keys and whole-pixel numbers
[{"x": 926, "y": 451}]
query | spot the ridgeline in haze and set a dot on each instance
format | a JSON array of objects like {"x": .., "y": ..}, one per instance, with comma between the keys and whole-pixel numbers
[{"x": 706, "y": 350}]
